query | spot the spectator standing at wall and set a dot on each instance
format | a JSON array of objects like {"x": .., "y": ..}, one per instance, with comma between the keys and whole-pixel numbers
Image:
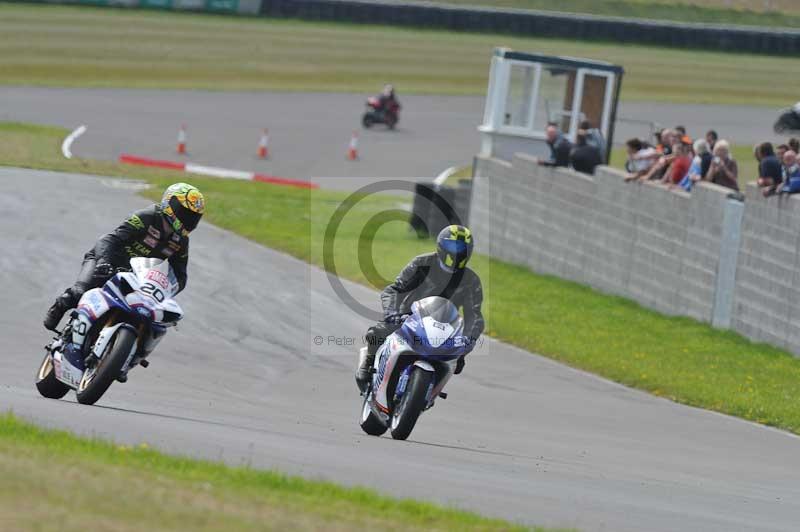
[
  {"x": 780, "y": 150},
  {"x": 640, "y": 158},
  {"x": 682, "y": 136},
  {"x": 560, "y": 147},
  {"x": 790, "y": 173},
  {"x": 702, "y": 149},
  {"x": 711, "y": 139},
  {"x": 680, "y": 164},
  {"x": 769, "y": 169},
  {"x": 723, "y": 170},
  {"x": 594, "y": 137},
  {"x": 700, "y": 165},
  {"x": 667, "y": 138},
  {"x": 660, "y": 168},
  {"x": 794, "y": 145},
  {"x": 791, "y": 169},
  {"x": 585, "y": 157}
]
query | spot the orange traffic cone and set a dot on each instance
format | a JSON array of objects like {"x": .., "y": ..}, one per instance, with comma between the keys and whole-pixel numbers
[
  {"x": 182, "y": 140},
  {"x": 352, "y": 150},
  {"x": 263, "y": 145}
]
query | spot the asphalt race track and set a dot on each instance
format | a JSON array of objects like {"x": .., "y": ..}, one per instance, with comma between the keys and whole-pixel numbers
[
  {"x": 309, "y": 132},
  {"x": 520, "y": 436}
]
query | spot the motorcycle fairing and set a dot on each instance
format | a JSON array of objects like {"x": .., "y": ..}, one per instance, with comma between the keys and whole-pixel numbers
[
  {"x": 122, "y": 291},
  {"x": 385, "y": 363},
  {"x": 429, "y": 338},
  {"x": 68, "y": 366},
  {"x": 126, "y": 291},
  {"x": 432, "y": 333},
  {"x": 93, "y": 304},
  {"x": 105, "y": 337}
]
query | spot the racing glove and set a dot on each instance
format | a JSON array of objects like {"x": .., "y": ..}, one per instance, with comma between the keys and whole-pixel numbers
[
  {"x": 103, "y": 269},
  {"x": 394, "y": 318}
]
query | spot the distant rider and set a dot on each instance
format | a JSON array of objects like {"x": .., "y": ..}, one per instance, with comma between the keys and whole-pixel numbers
[
  {"x": 442, "y": 273},
  {"x": 388, "y": 101},
  {"x": 160, "y": 231}
]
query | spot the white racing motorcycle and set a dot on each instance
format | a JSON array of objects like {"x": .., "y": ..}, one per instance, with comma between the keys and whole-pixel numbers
[
  {"x": 113, "y": 330},
  {"x": 412, "y": 367}
]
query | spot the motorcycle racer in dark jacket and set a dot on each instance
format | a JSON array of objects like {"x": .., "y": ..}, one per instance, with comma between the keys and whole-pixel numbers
[
  {"x": 443, "y": 273},
  {"x": 160, "y": 231},
  {"x": 387, "y": 99}
]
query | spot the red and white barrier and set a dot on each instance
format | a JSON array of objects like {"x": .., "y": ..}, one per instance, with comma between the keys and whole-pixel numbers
[{"x": 213, "y": 171}]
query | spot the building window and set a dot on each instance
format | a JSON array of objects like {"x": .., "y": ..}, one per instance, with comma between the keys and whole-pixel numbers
[{"x": 519, "y": 97}]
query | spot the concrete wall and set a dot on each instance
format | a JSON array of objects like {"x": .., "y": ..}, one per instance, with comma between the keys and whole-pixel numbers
[
  {"x": 766, "y": 302},
  {"x": 641, "y": 241},
  {"x": 705, "y": 255}
]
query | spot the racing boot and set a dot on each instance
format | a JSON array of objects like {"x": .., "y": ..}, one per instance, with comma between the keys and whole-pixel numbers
[
  {"x": 364, "y": 371},
  {"x": 63, "y": 303}
]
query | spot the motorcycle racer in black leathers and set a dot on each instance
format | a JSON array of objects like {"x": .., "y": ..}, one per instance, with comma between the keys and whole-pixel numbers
[
  {"x": 443, "y": 273},
  {"x": 160, "y": 231},
  {"x": 388, "y": 100}
]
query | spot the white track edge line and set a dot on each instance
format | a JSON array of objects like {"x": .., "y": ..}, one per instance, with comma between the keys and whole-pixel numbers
[
  {"x": 67, "y": 144},
  {"x": 441, "y": 178}
]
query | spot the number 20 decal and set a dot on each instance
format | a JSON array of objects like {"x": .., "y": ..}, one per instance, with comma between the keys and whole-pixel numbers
[{"x": 153, "y": 291}]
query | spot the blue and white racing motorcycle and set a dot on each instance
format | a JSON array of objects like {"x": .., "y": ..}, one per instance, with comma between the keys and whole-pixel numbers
[
  {"x": 412, "y": 367},
  {"x": 113, "y": 330}
]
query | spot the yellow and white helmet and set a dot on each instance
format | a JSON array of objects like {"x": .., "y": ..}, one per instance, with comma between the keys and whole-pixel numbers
[{"x": 183, "y": 205}]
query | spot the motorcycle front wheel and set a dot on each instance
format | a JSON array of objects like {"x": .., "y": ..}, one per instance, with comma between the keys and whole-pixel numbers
[
  {"x": 367, "y": 120},
  {"x": 97, "y": 379},
  {"x": 411, "y": 405},
  {"x": 369, "y": 421},
  {"x": 47, "y": 383}
]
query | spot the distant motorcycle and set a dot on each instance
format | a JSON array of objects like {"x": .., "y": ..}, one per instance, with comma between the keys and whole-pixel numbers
[
  {"x": 377, "y": 114},
  {"x": 113, "y": 330},
  {"x": 412, "y": 367},
  {"x": 788, "y": 123}
]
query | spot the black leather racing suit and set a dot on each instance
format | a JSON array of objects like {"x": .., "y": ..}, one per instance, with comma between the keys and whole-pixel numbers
[
  {"x": 424, "y": 277},
  {"x": 142, "y": 234},
  {"x": 388, "y": 104}
]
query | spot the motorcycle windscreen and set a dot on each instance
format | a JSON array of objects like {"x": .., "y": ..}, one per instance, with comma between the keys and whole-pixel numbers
[
  {"x": 156, "y": 271},
  {"x": 439, "y": 318}
]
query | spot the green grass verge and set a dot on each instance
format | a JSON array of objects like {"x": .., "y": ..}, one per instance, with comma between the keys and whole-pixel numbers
[
  {"x": 677, "y": 358},
  {"x": 94, "y": 47},
  {"x": 771, "y": 14},
  {"x": 52, "y": 480}
]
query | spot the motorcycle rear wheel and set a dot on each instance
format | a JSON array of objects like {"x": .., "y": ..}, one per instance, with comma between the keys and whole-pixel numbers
[
  {"x": 47, "y": 383},
  {"x": 413, "y": 402},
  {"x": 96, "y": 381},
  {"x": 369, "y": 421}
]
